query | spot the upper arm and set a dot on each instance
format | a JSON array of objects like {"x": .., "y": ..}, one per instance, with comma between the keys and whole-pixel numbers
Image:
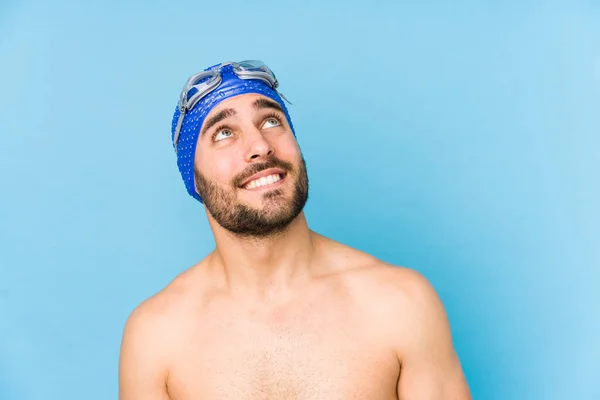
[
  {"x": 142, "y": 364},
  {"x": 430, "y": 368}
]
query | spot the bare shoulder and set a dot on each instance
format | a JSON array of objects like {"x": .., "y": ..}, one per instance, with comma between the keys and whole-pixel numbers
[
  {"x": 151, "y": 330},
  {"x": 400, "y": 298},
  {"x": 412, "y": 308},
  {"x": 403, "y": 287},
  {"x": 406, "y": 307},
  {"x": 159, "y": 314},
  {"x": 405, "y": 292},
  {"x": 375, "y": 279}
]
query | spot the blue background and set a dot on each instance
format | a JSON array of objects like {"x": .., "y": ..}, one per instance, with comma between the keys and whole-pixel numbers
[{"x": 460, "y": 139}]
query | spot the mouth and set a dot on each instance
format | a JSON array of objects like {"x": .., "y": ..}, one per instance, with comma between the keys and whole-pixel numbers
[{"x": 264, "y": 179}]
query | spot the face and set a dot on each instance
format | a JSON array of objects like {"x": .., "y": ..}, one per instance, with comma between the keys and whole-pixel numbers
[{"x": 248, "y": 168}]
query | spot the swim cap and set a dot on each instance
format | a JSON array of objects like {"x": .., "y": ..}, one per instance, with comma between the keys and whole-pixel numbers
[{"x": 230, "y": 86}]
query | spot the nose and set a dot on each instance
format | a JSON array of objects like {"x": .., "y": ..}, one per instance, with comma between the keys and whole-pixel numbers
[{"x": 258, "y": 147}]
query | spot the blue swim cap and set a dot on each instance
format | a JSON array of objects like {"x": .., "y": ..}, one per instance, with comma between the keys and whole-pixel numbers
[{"x": 230, "y": 86}]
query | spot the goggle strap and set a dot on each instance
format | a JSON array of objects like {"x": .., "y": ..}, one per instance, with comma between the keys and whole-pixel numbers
[
  {"x": 178, "y": 129},
  {"x": 283, "y": 97},
  {"x": 185, "y": 105}
]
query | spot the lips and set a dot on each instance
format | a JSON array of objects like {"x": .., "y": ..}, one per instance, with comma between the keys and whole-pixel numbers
[{"x": 264, "y": 178}]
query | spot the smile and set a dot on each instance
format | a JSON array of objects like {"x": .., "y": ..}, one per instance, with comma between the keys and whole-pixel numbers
[{"x": 264, "y": 181}]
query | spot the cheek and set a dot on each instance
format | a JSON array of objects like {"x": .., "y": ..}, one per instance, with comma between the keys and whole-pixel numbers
[
  {"x": 217, "y": 169},
  {"x": 288, "y": 149}
]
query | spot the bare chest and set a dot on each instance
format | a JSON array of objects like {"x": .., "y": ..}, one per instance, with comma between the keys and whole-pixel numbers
[{"x": 309, "y": 355}]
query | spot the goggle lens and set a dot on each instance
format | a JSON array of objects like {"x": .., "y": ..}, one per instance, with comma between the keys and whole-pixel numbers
[
  {"x": 253, "y": 64},
  {"x": 194, "y": 89}
]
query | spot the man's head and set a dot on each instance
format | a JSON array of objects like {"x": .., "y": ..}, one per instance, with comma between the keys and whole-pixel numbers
[{"x": 238, "y": 154}]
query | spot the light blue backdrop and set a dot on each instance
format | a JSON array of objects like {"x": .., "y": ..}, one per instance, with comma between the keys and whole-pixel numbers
[{"x": 460, "y": 139}]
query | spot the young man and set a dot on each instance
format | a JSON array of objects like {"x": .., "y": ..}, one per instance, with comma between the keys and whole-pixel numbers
[{"x": 276, "y": 311}]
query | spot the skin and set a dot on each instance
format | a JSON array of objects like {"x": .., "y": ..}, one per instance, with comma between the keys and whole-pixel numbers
[{"x": 283, "y": 312}]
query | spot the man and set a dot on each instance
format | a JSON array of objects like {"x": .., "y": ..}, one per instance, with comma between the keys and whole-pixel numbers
[{"x": 276, "y": 311}]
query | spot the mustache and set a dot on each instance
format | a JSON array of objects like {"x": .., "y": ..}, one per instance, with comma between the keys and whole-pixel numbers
[{"x": 273, "y": 162}]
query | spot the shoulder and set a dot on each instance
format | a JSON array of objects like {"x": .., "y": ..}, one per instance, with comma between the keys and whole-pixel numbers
[
  {"x": 407, "y": 287},
  {"x": 406, "y": 308},
  {"x": 158, "y": 319},
  {"x": 150, "y": 334},
  {"x": 405, "y": 291},
  {"x": 372, "y": 277},
  {"x": 400, "y": 297},
  {"x": 405, "y": 312}
]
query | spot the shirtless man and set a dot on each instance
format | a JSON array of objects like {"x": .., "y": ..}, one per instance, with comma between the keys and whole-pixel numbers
[{"x": 276, "y": 311}]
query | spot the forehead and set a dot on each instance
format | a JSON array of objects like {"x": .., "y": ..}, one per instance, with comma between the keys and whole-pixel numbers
[{"x": 240, "y": 102}]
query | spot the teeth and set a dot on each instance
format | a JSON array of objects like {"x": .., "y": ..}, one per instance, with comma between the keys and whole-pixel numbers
[{"x": 264, "y": 181}]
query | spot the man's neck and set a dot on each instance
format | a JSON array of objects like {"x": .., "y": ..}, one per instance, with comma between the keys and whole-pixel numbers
[{"x": 266, "y": 267}]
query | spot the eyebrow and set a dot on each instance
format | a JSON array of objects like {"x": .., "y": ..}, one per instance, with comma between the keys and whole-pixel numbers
[
  {"x": 266, "y": 103},
  {"x": 230, "y": 112},
  {"x": 220, "y": 116}
]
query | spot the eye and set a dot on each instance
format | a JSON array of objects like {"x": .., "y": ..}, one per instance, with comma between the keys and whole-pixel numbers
[
  {"x": 271, "y": 122},
  {"x": 222, "y": 134}
]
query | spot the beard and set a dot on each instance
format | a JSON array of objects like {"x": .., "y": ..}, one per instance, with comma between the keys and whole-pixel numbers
[{"x": 277, "y": 211}]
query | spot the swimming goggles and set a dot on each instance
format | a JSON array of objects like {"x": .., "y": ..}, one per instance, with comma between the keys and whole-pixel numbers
[{"x": 201, "y": 84}]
